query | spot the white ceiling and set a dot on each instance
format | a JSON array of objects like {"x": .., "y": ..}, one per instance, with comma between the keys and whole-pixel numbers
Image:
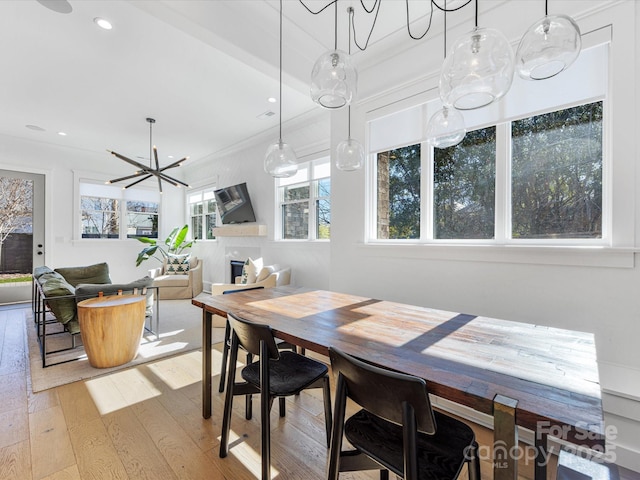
[{"x": 202, "y": 68}]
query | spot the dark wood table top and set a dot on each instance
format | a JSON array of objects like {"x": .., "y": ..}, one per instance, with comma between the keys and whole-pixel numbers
[{"x": 467, "y": 359}]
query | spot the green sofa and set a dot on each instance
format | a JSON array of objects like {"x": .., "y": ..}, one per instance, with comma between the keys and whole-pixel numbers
[{"x": 60, "y": 290}]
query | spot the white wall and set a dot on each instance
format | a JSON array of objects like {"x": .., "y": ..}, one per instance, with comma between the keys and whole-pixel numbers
[
  {"x": 59, "y": 164},
  {"x": 588, "y": 290},
  {"x": 309, "y": 261}
]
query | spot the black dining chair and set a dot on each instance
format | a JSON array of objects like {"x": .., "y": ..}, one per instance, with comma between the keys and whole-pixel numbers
[
  {"x": 282, "y": 345},
  {"x": 277, "y": 374},
  {"x": 396, "y": 430}
]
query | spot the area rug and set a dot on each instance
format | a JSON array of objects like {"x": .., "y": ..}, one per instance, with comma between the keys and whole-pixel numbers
[{"x": 180, "y": 332}]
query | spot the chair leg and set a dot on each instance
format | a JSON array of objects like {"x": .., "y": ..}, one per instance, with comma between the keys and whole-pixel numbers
[
  {"x": 248, "y": 404},
  {"x": 384, "y": 474},
  {"x": 225, "y": 355},
  {"x": 474, "y": 462},
  {"x": 333, "y": 466},
  {"x": 328, "y": 420},
  {"x": 281, "y": 404},
  {"x": 228, "y": 401},
  {"x": 265, "y": 407}
]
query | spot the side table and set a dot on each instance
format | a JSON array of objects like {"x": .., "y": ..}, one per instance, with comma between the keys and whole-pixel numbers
[{"x": 111, "y": 328}]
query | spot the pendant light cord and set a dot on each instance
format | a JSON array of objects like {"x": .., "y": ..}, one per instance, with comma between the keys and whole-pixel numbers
[
  {"x": 335, "y": 28},
  {"x": 350, "y": 11},
  {"x": 376, "y": 7},
  {"x": 150, "y": 144},
  {"x": 280, "y": 134},
  {"x": 476, "y": 13}
]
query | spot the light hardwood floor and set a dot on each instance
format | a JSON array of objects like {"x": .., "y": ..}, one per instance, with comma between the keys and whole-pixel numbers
[{"x": 146, "y": 423}]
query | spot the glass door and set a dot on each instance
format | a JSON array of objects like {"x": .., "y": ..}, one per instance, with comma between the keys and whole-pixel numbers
[{"x": 21, "y": 233}]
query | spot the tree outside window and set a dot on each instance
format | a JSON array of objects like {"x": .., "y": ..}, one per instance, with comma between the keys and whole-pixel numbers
[
  {"x": 464, "y": 187},
  {"x": 557, "y": 174},
  {"x": 100, "y": 217},
  {"x": 556, "y": 165}
]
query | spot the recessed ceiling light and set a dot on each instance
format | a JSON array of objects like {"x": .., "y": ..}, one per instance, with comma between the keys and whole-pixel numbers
[
  {"x": 170, "y": 156},
  {"x": 35, "y": 127},
  {"x": 102, "y": 23},
  {"x": 272, "y": 100},
  {"x": 62, "y": 134}
]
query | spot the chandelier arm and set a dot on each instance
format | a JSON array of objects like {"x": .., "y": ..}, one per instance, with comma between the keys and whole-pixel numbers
[
  {"x": 155, "y": 155},
  {"x": 174, "y": 164},
  {"x": 129, "y": 161},
  {"x": 128, "y": 177},
  {"x": 138, "y": 181},
  {"x": 173, "y": 181}
]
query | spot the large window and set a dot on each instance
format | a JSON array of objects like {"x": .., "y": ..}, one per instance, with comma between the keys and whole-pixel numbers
[
  {"x": 304, "y": 202},
  {"x": 555, "y": 188},
  {"x": 202, "y": 213},
  {"x": 111, "y": 212},
  {"x": 556, "y": 172}
]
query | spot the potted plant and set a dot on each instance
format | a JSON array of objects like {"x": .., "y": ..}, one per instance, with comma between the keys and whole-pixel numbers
[{"x": 174, "y": 244}]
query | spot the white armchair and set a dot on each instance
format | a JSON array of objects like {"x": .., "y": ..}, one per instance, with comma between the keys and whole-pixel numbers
[
  {"x": 272, "y": 276},
  {"x": 178, "y": 285}
]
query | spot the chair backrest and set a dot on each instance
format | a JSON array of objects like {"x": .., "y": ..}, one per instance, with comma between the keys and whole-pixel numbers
[
  {"x": 250, "y": 334},
  {"x": 383, "y": 392}
]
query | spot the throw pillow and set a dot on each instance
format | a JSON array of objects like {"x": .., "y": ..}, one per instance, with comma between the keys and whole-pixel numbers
[
  {"x": 250, "y": 270},
  {"x": 177, "y": 264},
  {"x": 98, "y": 273},
  {"x": 266, "y": 271}
]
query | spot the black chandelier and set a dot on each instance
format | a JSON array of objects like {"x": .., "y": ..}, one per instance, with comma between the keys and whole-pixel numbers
[{"x": 148, "y": 172}]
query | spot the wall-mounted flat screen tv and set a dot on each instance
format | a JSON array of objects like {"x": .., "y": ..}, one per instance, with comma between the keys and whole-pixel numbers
[{"x": 234, "y": 204}]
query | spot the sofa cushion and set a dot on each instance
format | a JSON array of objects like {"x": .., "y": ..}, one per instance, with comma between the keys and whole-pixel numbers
[
  {"x": 98, "y": 273},
  {"x": 171, "y": 281},
  {"x": 92, "y": 289},
  {"x": 64, "y": 309},
  {"x": 39, "y": 271},
  {"x": 266, "y": 271},
  {"x": 177, "y": 264},
  {"x": 250, "y": 270},
  {"x": 87, "y": 290}
]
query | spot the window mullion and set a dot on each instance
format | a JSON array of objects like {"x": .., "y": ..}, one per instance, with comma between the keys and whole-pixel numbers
[
  {"x": 426, "y": 192},
  {"x": 503, "y": 183}
]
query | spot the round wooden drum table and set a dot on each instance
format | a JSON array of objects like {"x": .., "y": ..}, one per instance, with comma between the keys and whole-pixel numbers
[{"x": 111, "y": 328}]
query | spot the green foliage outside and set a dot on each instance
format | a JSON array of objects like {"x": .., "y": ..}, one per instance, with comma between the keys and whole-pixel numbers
[
  {"x": 464, "y": 187},
  {"x": 404, "y": 192},
  {"x": 556, "y": 181}
]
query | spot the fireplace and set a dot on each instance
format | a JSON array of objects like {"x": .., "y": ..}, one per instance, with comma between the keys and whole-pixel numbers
[{"x": 236, "y": 269}]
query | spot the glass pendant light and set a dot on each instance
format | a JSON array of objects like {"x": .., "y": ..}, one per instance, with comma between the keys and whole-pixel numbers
[
  {"x": 333, "y": 78},
  {"x": 446, "y": 127},
  {"x": 280, "y": 160},
  {"x": 349, "y": 152},
  {"x": 548, "y": 47},
  {"x": 478, "y": 70}
]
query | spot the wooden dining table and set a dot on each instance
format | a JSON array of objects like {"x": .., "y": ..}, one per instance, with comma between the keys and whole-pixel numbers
[{"x": 542, "y": 378}]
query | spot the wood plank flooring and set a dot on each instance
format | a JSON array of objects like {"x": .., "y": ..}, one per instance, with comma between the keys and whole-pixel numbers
[{"x": 146, "y": 423}]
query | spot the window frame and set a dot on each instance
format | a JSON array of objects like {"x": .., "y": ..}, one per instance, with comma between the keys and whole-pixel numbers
[
  {"x": 201, "y": 191},
  {"x": 312, "y": 178},
  {"x": 503, "y": 206},
  {"x": 140, "y": 194}
]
